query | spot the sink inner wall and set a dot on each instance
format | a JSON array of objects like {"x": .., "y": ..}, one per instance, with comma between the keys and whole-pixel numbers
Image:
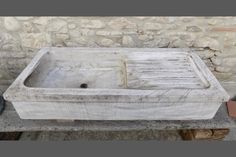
[
  {"x": 117, "y": 70},
  {"x": 73, "y": 70}
]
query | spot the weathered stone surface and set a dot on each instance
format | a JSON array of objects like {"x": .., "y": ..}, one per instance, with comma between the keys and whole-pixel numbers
[
  {"x": 142, "y": 17},
  {"x": 58, "y": 25},
  {"x": 41, "y": 21},
  {"x": 193, "y": 29},
  {"x": 109, "y": 33},
  {"x": 11, "y": 67},
  {"x": 179, "y": 43},
  {"x": 188, "y": 37},
  {"x": 223, "y": 29},
  {"x": 8, "y": 42},
  {"x": 5, "y": 75},
  {"x": 222, "y": 69},
  {"x": 163, "y": 42},
  {"x": 28, "y": 27},
  {"x": 212, "y": 21},
  {"x": 34, "y": 40},
  {"x": 145, "y": 37},
  {"x": 171, "y": 20},
  {"x": 72, "y": 44},
  {"x": 105, "y": 42},
  {"x": 229, "y": 61},
  {"x": 11, "y": 24},
  {"x": 24, "y": 18},
  {"x": 227, "y": 77},
  {"x": 216, "y": 60},
  {"x": 6, "y": 55},
  {"x": 129, "y": 32},
  {"x": 205, "y": 54},
  {"x": 87, "y": 32},
  {"x": 152, "y": 26},
  {"x": 226, "y": 53},
  {"x": 71, "y": 25},
  {"x": 62, "y": 37},
  {"x": 207, "y": 42},
  {"x": 209, "y": 64},
  {"x": 173, "y": 26},
  {"x": 85, "y": 23},
  {"x": 187, "y": 19},
  {"x": 128, "y": 41},
  {"x": 79, "y": 41},
  {"x": 122, "y": 23},
  {"x": 75, "y": 33}
]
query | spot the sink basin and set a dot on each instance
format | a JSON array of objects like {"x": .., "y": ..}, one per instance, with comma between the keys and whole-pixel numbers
[
  {"x": 70, "y": 70},
  {"x": 116, "y": 84}
]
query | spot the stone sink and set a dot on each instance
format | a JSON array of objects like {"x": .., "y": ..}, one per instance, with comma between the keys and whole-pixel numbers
[{"x": 116, "y": 84}]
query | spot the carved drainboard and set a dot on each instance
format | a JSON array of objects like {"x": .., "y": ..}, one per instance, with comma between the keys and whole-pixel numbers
[{"x": 116, "y": 84}]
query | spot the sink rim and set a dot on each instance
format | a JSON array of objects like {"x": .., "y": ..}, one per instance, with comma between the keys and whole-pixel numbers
[{"x": 214, "y": 93}]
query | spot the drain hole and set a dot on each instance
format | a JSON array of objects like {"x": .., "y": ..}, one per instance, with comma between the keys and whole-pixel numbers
[{"x": 83, "y": 85}]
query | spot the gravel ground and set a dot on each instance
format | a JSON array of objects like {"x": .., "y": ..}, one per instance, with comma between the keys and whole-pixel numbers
[
  {"x": 112, "y": 135},
  {"x": 92, "y": 135}
]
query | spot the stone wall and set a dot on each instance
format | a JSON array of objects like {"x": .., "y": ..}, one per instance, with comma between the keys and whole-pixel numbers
[{"x": 21, "y": 37}]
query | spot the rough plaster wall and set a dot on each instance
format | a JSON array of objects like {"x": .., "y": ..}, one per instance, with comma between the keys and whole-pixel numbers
[{"x": 21, "y": 37}]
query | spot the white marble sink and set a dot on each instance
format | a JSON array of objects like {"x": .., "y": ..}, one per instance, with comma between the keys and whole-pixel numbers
[{"x": 116, "y": 84}]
